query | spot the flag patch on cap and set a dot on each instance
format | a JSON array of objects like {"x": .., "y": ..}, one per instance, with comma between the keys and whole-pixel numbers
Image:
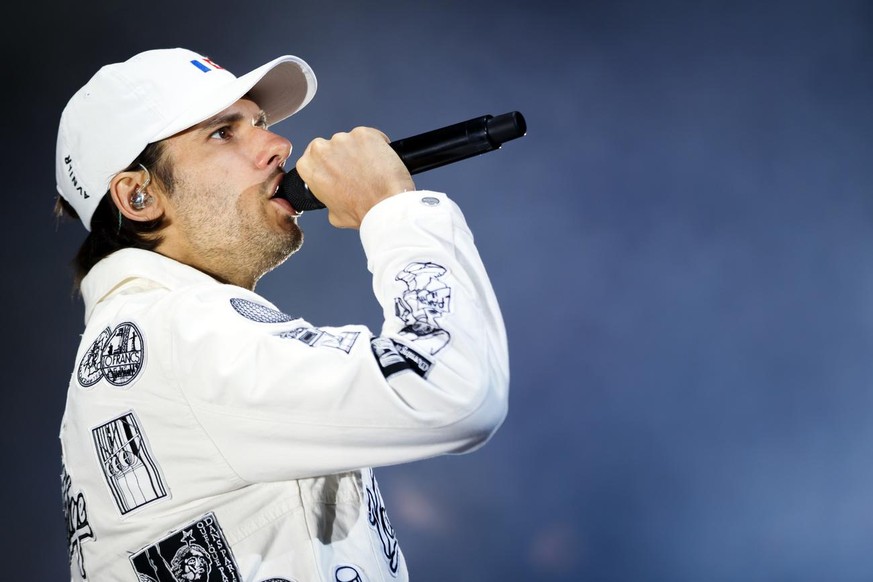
[{"x": 208, "y": 66}]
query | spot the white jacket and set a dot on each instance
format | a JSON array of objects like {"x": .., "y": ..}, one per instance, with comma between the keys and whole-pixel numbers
[{"x": 209, "y": 436}]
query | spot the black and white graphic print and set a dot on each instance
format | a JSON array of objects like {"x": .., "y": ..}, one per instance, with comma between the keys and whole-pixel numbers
[
  {"x": 346, "y": 573},
  {"x": 78, "y": 528},
  {"x": 116, "y": 355},
  {"x": 425, "y": 300},
  {"x": 258, "y": 312},
  {"x": 131, "y": 472},
  {"x": 90, "y": 369},
  {"x": 197, "y": 552},
  {"x": 377, "y": 516},
  {"x": 396, "y": 357},
  {"x": 277, "y": 580},
  {"x": 318, "y": 338}
]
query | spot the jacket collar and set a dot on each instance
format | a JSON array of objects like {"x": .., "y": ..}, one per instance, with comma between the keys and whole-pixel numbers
[{"x": 127, "y": 265}]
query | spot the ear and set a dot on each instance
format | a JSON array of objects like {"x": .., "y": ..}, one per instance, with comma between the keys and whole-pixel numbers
[{"x": 124, "y": 186}]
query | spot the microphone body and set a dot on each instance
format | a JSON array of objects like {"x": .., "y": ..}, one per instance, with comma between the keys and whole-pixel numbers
[{"x": 427, "y": 151}]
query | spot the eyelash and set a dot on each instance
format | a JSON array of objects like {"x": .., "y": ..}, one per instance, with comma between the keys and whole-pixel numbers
[
  {"x": 225, "y": 129},
  {"x": 261, "y": 123}
]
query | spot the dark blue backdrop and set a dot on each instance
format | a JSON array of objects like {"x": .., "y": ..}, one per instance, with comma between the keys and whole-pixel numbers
[{"x": 682, "y": 246}]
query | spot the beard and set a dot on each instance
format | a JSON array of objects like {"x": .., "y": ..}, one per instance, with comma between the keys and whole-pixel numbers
[
  {"x": 267, "y": 250},
  {"x": 234, "y": 235}
]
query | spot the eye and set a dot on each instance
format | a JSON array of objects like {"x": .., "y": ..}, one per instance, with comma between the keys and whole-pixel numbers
[{"x": 222, "y": 133}]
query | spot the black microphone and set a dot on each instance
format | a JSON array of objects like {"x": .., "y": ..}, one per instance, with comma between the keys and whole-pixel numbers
[{"x": 427, "y": 151}]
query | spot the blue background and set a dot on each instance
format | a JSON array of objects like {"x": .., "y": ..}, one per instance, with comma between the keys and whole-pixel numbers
[{"x": 681, "y": 246}]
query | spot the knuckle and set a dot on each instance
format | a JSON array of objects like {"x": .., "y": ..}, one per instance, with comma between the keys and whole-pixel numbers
[
  {"x": 365, "y": 133},
  {"x": 316, "y": 147}
]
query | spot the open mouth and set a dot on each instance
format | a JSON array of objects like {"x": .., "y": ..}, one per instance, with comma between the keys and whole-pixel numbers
[{"x": 281, "y": 200}]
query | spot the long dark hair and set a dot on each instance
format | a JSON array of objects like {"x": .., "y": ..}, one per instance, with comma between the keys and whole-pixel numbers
[{"x": 111, "y": 230}]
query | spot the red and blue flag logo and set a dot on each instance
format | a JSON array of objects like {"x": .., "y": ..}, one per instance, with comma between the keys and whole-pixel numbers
[{"x": 205, "y": 65}]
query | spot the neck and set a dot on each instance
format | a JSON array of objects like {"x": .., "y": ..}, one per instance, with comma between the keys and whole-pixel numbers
[{"x": 217, "y": 268}]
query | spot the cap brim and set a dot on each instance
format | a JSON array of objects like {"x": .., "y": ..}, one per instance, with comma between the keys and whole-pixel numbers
[{"x": 281, "y": 88}]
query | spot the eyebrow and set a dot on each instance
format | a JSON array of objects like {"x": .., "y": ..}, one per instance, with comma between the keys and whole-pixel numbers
[
  {"x": 231, "y": 118},
  {"x": 218, "y": 120}
]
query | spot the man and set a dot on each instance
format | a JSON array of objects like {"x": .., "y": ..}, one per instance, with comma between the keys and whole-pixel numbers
[{"x": 207, "y": 434}]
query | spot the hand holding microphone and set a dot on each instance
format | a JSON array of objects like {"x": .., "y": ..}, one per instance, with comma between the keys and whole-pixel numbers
[
  {"x": 418, "y": 153},
  {"x": 352, "y": 172}
]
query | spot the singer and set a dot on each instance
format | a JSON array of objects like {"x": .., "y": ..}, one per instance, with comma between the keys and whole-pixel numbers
[{"x": 209, "y": 433}]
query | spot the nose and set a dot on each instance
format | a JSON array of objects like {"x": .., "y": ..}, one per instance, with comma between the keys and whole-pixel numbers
[{"x": 272, "y": 151}]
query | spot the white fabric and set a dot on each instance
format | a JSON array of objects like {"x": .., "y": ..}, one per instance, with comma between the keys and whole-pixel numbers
[{"x": 267, "y": 429}]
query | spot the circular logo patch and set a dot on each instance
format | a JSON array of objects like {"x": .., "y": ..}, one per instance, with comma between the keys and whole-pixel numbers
[
  {"x": 258, "y": 312},
  {"x": 116, "y": 355}
]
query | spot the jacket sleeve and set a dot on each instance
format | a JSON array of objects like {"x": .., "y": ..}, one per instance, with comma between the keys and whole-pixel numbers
[{"x": 281, "y": 398}]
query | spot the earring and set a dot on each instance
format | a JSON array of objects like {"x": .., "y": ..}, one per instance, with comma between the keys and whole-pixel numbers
[{"x": 141, "y": 198}]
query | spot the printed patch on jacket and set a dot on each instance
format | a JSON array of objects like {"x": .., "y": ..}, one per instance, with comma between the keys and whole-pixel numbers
[
  {"x": 196, "y": 552},
  {"x": 129, "y": 467},
  {"x": 377, "y": 516},
  {"x": 258, "y": 312},
  {"x": 116, "y": 355},
  {"x": 318, "y": 338},
  {"x": 425, "y": 300},
  {"x": 78, "y": 528},
  {"x": 346, "y": 573},
  {"x": 394, "y": 357}
]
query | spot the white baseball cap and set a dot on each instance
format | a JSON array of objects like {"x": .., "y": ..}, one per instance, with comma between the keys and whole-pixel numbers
[{"x": 153, "y": 95}]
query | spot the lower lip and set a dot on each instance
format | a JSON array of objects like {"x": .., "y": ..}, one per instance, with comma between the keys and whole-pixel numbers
[{"x": 285, "y": 206}]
